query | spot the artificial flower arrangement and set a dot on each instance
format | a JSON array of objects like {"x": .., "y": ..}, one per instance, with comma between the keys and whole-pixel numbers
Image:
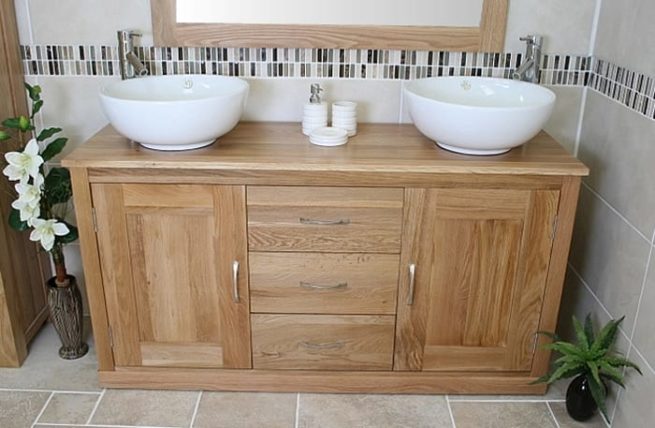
[{"x": 42, "y": 193}]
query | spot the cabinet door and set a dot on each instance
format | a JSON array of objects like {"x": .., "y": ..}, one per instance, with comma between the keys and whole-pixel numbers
[
  {"x": 174, "y": 273},
  {"x": 480, "y": 260}
]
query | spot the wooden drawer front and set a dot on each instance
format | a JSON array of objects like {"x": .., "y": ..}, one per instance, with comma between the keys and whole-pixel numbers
[
  {"x": 324, "y": 219},
  {"x": 323, "y": 283},
  {"x": 322, "y": 342}
]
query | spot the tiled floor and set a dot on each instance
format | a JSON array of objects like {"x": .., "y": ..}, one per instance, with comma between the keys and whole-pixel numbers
[{"x": 48, "y": 392}]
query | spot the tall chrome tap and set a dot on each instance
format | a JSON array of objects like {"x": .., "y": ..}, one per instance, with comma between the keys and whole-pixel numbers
[
  {"x": 530, "y": 67},
  {"x": 131, "y": 66}
]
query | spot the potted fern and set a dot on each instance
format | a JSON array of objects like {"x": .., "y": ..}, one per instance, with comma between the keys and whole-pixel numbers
[
  {"x": 41, "y": 202},
  {"x": 592, "y": 362}
]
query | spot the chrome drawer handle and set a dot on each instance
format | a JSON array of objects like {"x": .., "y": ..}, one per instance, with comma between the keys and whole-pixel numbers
[
  {"x": 322, "y": 346},
  {"x": 235, "y": 281},
  {"x": 340, "y": 222},
  {"x": 312, "y": 286},
  {"x": 412, "y": 278}
]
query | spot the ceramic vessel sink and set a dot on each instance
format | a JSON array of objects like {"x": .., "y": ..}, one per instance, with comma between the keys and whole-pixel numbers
[
  {"x": 478, "y": 115},
  {"x": 175, "y": 112}
]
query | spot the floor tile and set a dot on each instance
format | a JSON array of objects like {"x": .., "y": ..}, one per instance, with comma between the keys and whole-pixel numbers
[
  {"x": 501, "y": 415},
  {"x": 565, "y": 421},
  {"x": 556, "y": 391},
  {"x": 389, "y": 411},
  {"x": 69, "y": 408},
  {"x": 43, "y": 369},
  {"x": 19, "y": 409},
  {"x": 243, "y": 409},
  {"x": 151, "y": 408}
]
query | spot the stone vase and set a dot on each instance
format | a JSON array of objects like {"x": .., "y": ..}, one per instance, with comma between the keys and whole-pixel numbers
[{"x": 65, "y": 304}]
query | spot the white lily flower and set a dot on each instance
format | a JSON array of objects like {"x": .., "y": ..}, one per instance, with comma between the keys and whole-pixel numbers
[
  {"x": 24, "y": 165},
  {"x": 45, "y": 231},
  {"x": 28, "y": 213},
  {"x": 30, "y": 193}
]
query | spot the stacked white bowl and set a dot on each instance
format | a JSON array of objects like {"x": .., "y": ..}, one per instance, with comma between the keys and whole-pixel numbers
[
  {"x": 328, "y": 136},
  {"x": 344, "y": 116},
  {"x": 315, "y": 115}
]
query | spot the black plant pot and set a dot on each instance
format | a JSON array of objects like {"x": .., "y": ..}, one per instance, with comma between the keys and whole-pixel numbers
[
  {"x": 65, "y": 304},
  {"x": 580, "y": 404}
]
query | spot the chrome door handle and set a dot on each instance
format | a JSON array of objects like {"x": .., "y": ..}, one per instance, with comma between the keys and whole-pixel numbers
[
  {"x": 315, "y": 222},
  {"x": 412, "y": 278},
  {"x": 310, "y": 285},
  {"x": 235, "y": 281}
]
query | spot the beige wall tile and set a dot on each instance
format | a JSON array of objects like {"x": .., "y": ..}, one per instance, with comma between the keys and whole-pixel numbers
[
  {"x": 644, "y": 339},
  {"x": 566, "y": 25},
  {"x": 609, "y": 255},
  {"x": 152, "y": 408},
  {"x": 20, "y": 409},
  {"x": 234, "y": 409},
  {"x": 636, "y": 407},
  {"x": 626, "y": 33},
  {"x": 69, "y": 408},
  {"x": 88, "y": 21},
  {"x": 563, "y": 124},
  {"x": 282, "y": 100},
  {"x": 616, "y": 144},
  {"x": 501, "y": 415},
  {"x": 389, "y": 411}
]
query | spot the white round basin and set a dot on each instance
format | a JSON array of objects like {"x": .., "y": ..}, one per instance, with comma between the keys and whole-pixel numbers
[
  {"x": 478, "y": 115},
  {"x": 179, "y": 112}
]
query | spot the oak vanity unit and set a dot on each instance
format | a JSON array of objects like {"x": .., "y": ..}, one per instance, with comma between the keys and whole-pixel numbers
[{"x": 265, "y": 263}]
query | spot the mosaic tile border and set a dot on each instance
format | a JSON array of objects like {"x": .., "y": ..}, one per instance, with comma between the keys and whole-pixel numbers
[
  {"x": 636, "y": 91},
  {"x": 56, "y": 60}
]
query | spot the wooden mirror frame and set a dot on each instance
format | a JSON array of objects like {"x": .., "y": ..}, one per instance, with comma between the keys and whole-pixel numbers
[{"x": 488, "y": 37}]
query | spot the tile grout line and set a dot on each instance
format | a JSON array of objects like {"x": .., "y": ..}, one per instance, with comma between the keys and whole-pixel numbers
[
  {"x": 618, "y": 213},
  {"x": 95, "y": 407},
  {"x": 195, "y": 410},
  {"x": 503, "y": 400},
  {"x": 43, "y": 409},
  {"x": 49, "y": 390},
  {"x": 641, "y": 295},
  {"x": 552, "y": 414},
  {"x": 578, "y": 133},
  {"x": 59, "y": 424},
  {"x": 297, "y": 421},
  {"x": 450, "y": 412}
]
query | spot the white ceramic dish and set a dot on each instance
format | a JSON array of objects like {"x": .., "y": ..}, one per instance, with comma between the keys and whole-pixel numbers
[
  {"x": 180, "y": 112},
  {"x": 478, "y": 115}
]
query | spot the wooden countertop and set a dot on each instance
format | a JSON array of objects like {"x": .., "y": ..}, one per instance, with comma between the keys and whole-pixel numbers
[{"x": 263, "y": 146}]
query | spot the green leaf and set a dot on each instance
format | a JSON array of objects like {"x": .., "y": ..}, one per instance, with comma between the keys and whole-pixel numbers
[
  {"x": 34, "y": 92},
  {"x": 566, "y": 349},
  {"x": 549, "y": 334},
  {"x": 36, "y": 107},
  {"x": 54, "y": 148},
  {"x": 12, "y": 122},
  {"x": 47, "y": 133},
  {"x": 71, "y": 237},
  {"x": 583, "y": 341},
  {"x": 15, "y": 222},
  {"x": 57, "y": 186},
  {"x": 4, "y": 136},
  {"x": 24, "y": 124},
  {"x": 611, "y": 373},
  {"x": 623, "y": 362},
  {"x": 566, "y": 370},
  {"x": 599, "y": 393},
  {"x": 607, "y": 336}
]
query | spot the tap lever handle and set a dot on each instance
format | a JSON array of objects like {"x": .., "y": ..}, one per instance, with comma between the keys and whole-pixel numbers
[{"x": 532, "y": 39}]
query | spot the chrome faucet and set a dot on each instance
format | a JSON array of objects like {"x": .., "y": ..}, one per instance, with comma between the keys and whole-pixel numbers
[
  {"x": 531, "y": 65},
  {"x": 130, "y": 64}
]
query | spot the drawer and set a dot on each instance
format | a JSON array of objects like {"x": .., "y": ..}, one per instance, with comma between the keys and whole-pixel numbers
[
  {"x": 334, "y": 219},
  {"x": 323, "y": 283},
  {"x": 322, "y": 342}
]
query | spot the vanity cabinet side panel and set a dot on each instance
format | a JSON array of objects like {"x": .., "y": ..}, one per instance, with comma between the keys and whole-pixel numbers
[{"x": 84, "y": 215}]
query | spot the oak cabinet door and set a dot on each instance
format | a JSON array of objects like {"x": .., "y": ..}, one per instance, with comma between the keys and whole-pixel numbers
[
  {"x": 174, "y": 267},
  {"x": 473, "y": 275}
]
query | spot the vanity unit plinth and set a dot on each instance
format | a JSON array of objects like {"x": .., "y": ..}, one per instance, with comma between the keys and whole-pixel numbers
[{"x": 266, "y": 263}]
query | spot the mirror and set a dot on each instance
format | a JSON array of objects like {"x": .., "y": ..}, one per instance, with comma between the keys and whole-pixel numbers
[{"x": 463, "y": 25}]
